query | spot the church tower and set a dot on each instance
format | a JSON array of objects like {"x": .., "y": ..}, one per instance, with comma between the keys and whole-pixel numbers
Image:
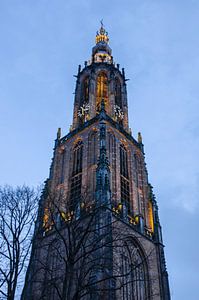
[{"x": 98, "y": 234}]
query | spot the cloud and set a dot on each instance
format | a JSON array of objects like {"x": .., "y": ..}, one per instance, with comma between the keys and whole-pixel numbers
[{"x": 185, "y": 196}]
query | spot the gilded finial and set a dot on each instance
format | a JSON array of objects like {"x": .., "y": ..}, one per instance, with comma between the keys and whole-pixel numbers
[
  {"x": 139, "y": 138},
  {"x": 102, "y": 34},
  {"x": 58, "y": 133}
]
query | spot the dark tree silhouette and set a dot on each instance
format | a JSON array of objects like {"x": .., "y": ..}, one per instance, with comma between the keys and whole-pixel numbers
[
  {"x": 17, "y": 215},
  {"x": 86, "y": 253}
]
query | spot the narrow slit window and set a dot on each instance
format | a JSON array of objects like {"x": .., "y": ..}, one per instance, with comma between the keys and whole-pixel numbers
[
  {"x": 124, "y": 178},
  {"x": 76, "y": 179},
  {"x": 118, "y": 93},
  {"x": 85, "y": 90}
]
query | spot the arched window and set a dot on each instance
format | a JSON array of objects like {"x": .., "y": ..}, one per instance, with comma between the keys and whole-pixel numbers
[
  {"x": 112, "y": 161},
  {"x": 85, "y": 91},
  {"x": 76, "y": 179},
  {"x": 102, "y": 89},
  {"x": 124, "y": 177},
  {"x": 132, "y": 282},
  {"x": 112, "y": 149},
  {"x": 150, "y": 216},
  {"x": 139, "y": 183},
  {"x": 118, "y": 93}
]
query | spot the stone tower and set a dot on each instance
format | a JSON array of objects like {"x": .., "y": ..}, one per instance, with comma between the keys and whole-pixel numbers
[{"x": 98, "y": 234}]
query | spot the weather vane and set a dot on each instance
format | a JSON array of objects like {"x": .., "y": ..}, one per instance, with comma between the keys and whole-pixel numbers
[{"x": 101, "y": 21}]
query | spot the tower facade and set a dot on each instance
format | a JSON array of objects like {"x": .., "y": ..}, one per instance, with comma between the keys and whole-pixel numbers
[{"x": 98, "y": 233}]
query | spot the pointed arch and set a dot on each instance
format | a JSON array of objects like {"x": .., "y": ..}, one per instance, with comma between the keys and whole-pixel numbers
[
  {"x": 85, "y": 90},
  {"x": 77, "y": 158},
  {"x": 133, "y": 282},
  {"x": 101, "y": 89},
  {"x": 118, "y": 92}
]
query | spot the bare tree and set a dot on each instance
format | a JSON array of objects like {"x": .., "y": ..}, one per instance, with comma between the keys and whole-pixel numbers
[
  {"x": 17, "y": 215},
  {"x": 79, "y": 243}
]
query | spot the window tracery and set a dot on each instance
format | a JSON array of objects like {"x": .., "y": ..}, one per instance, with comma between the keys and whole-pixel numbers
[
  {"x": 118, "y": 93},
  {"x": 101, "y": 89},
  {"x": 139, "y": 177},
  {"x": 133, "y": 279},
  {"x": 85, "y": 91}
]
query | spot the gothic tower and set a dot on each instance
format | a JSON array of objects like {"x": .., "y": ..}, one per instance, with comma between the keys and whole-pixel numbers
[{"x": 98, "y": 233}]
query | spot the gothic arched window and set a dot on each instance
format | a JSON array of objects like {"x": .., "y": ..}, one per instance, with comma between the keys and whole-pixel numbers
[
  {"x": 102, "y": 89},
  {"x": 133, "y": 279},
  {"x": 112, "y": 161},
  {"x": 139, "y": 179},
  {"x": 85, "y": 90},
  {"x": 124, "y": 177},
  {"x": 118, "y": 93},
  {"x": 76, "y": 179},
  {"x": 150, "y": 216},
  {"x": 112, "y": 149}
]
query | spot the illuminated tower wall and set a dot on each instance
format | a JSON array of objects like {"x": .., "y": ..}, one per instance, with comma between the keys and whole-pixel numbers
[{"x": 100, "y": 161}]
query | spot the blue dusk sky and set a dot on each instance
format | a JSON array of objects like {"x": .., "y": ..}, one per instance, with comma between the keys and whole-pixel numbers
[{"x": 157, "y": 41}]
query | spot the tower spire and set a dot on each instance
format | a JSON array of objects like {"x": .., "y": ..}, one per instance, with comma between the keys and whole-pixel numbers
[
  {"x": 101, "y": 52},
  {"x": 102, "y": 34}
]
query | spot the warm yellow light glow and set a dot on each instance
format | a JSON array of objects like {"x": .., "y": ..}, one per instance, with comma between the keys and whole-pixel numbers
[
  {"x": 150, "y": 216},
  {"x": 132, "y": 220},
  {"x": 102, "y": 35},
  {"x": 45, "y": 218},
  {"x": 120, "y": 206},
  {"x": 137, "y": 219},
  {"x": 102, "y": 89},
  {"x": 47, "y": 225},
  {"x": 82, "y": 204},
  {"x": 67, "y": 216}
]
